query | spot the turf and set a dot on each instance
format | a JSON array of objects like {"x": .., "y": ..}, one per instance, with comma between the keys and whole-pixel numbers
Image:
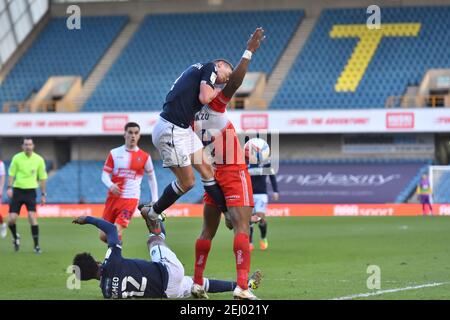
[{"x": 308, "y": 258}]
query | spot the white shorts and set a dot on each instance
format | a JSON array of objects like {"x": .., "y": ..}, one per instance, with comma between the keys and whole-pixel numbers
[
  {"x": 175, "y": 144},
  {"x": 260, "y": 200},
  {"x": 179, "y": 285}
]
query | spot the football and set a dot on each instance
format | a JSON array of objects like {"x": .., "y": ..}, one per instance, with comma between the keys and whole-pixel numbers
[{"x": 257, "y": 151}]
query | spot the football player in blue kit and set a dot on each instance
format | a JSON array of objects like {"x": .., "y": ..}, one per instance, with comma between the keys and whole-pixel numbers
[
  {"x": 261, "y": 199},
  {"x": 179, "y": 147},
  {"x": 162, "y": 277}
]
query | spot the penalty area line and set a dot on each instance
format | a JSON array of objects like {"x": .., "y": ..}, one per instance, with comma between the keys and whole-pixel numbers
[{"x": 380, "y": 292}]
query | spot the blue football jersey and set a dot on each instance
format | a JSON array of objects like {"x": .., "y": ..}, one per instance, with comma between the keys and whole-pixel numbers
[
  {"x": 259, "y": 180},
  {"x": 126, "y": 278},
  {"x": 182, "y": 101}
]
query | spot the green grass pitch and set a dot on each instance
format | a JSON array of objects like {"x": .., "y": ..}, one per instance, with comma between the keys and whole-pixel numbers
[{"x": 308, "y": 257}]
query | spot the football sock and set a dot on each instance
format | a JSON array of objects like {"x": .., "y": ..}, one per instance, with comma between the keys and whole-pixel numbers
[
  {"x": 251, "y": 234},
  {"x": 171, "y": 194},
  {"x": 35, "y": 234},
  {"x": 13, "y": 229},
  {"x": 163, "y": 229},
  {"x": 202, "y": 248},
  {"x": 215, "y": 286},
  {"x": 263, "y": 229},
  {"x": 241, "y": 248},
  {"x": 214, "y": 191}
]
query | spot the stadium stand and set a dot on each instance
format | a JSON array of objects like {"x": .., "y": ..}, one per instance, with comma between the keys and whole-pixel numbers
[
  {"x": 80, "y": 180},
  {"x": 159, "y": 52},
  {"x": 333, "y": 71},
  {"x": 59, "y": 51}
]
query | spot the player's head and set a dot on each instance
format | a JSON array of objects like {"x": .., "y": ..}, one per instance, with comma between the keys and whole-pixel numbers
[
  {"x": 27, "y": 145},
  {"x": 424, "y": 176},
  {"x": 132, "y": 134},
  {"x": 224, "y": 70},
  {"x": 89, "y": 268}
]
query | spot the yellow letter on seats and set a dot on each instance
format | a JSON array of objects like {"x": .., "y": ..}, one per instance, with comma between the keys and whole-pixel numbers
[{"x": 369, "y": 40}]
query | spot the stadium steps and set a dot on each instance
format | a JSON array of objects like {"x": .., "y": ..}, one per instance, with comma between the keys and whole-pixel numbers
[
  {"x": 107, "y": 61},
  {"x": 286, "y": 61}
]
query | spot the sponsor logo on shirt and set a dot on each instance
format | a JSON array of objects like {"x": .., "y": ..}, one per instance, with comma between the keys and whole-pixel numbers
[
  {"x": 213, "y": 78},
  {"x": 126, "y": 173}
]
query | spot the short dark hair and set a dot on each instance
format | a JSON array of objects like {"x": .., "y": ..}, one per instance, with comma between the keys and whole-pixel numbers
[
  {"x": 87, "y": 264},
  {"x": 132, "y": 125},
  {"x": 27, "y": 138},
  {"x": 226, "y": 61}
]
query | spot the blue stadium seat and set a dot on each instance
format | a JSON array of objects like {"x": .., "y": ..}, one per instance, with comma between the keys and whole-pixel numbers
[
  {"x": 166, "y": 44},
  {"x": 81, "y": 180},
  {"x": 397, "y": 62},
  {"x": 60, "y": 51}
]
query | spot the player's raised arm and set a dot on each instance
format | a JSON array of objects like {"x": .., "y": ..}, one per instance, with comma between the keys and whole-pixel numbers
[
  {"x": 239, "y": 72},
  {"x": 107, "y": 227},
  {"x": 209, "y": 77}
]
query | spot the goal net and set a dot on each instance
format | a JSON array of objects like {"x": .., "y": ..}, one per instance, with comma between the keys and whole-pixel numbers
[{"x": 440, "y": 183}]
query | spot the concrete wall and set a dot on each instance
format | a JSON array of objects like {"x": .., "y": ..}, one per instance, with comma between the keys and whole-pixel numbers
[{"x": 44, "y": 146}]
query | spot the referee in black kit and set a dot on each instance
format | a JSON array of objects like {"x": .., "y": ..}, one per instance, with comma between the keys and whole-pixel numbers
[{"x": 26, "y": 170}]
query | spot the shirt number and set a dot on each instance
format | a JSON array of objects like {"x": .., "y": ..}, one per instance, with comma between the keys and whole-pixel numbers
[{"x": 139, "y": 287}]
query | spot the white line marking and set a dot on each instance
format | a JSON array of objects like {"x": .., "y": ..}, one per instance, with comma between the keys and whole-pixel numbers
[{"x": 380, "y": 292}]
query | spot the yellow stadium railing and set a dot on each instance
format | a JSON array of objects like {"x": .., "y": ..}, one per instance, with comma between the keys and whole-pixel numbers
[
  {"x": 430, "y": 101},
  {"x": 25, "y": 106}
]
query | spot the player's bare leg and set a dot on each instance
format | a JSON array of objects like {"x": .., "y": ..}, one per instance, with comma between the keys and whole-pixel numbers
[
  {"x": 211, "y": 221},
  {"x": 430, "y": 208},
  {"x": 3, "y": 228},
  {"x": 211, "y": 187},
  {"x": 202, "y": 164},
  {"x": 120, "y": 229},
  {"x": 185, "y": 181},
  {"x": 240, "y": 218},
  {"x": 102, "y": 236},
  {"x": 13, "y": 228},
  {"x": 32, "y": 219},
  {"x": 262, "y": 224},
  {"x": 256, "y": 217}
]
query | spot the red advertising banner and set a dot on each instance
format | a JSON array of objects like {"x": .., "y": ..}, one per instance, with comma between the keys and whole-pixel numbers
[
  {"x": 274, "y": 210},
  {"x": 288, "y": 121}
]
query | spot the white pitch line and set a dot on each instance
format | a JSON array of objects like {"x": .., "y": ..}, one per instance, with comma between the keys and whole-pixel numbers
[{"x": 380, "y": 292}]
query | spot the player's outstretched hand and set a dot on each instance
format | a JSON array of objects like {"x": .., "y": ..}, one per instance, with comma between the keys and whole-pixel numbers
[
  {"x": 276, "y": 196},
  {"x": 255, "y": 39},
  {"x": 80, "y": 220}
]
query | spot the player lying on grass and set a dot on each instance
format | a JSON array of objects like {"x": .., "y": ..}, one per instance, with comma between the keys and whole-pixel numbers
[
  {"x": 163, "y": 277},
  {"x": 232, "y": 176}
]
